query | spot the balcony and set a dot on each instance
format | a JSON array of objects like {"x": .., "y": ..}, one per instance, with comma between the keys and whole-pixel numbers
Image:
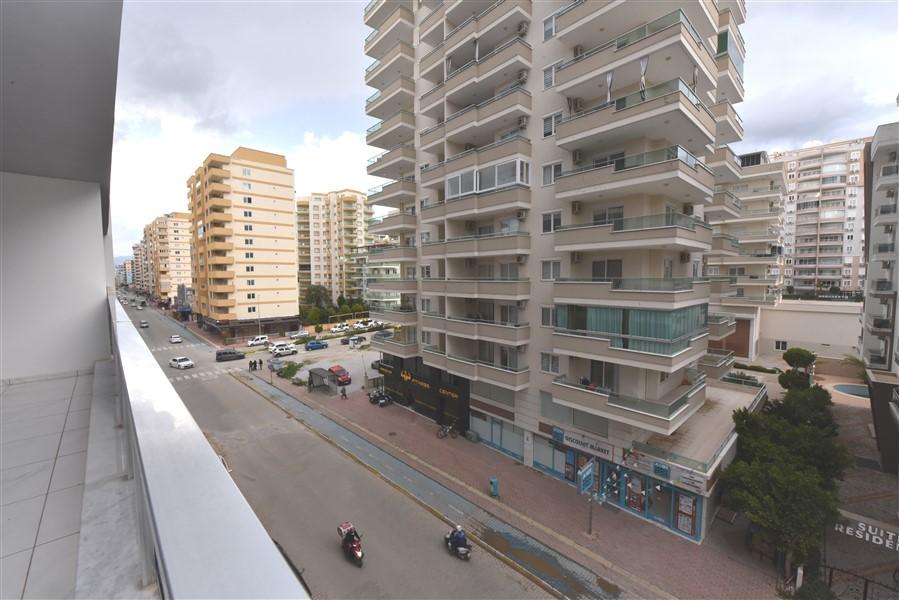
[
  {"x": 888, "y": 178},
  {"x": 397, "y": 62},
  {"x": 671, "y": 171},
  {"x": 745, "y": 258},
  {"x": 876, "y": 360},
  {"x": 392, "y": 284},
  {"x": 401, "y": 348},
  {"x": 766, "y": 299},
  {"x": 721, "y": 325},
  {"x": 497, "y": 289},
  {"x": 219, "y": 217},
  {"x": 392, "y": 132},
  {"x": 730, "y": 76},
  {"x": 498, "y": 17},
  {"x": 749, "y": 215},
  {"x": 582, "y": 76},
  {"x": 672, "y": 230},
  {"x": 879, "y": 326},
  {"x": 218, "y": 188},
  {"x": 226, "y": 246},
  {"x": 221, "y": 289},
  {"x": 725, "y": 165},
  {"x": 220, "y": 260},
  {"x": 212, "y": 232},
  {"x": 215, "y": 274},
  {"x": 513, "y": 378},
  {"x": 886, "y": 215},
  {"x": 394, "y": 163},
  {"x": 884, "y": 251},
  {"x": 394, "y": 253},
  {"x": 223, "y": 302},
  {"x": 636, "y": 293},
  {"x": 881, "y": 287},
  {"x": 491, "y": 244},
  {"x": 431, "y": 102},
  {"x": 478, "y": 124},
  {"x": 217, "y": 202},
  {"x": 716, "y": 363},
  {"x": 396, "y": 28},
  {"x": 396, "y": 96},
  {"x": 645, "y": 353},
  {"x": 663, "y": 415},
  {"x": 725, "y": 206},
  {"x": 728, "y": 125},
  {"x": 433, "y": 175},
  {"x": 432, "y": 138},
  {"x": 378, "y": 12},
  {"x": 669, "y": 106},
  {"x": 723, "y": 244},
  {"x": 392, "y": 224},
  {"x": 585, "y": 22},
  {"x": 396, "y": 314},
  {"x": 465, "y": 84},
  {"x": 504, "y": 200},
  {"x": 394, "y": 194}
]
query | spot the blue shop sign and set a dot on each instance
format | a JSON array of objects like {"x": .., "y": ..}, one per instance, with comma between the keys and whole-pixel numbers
[{"x": 661, "y": 470}]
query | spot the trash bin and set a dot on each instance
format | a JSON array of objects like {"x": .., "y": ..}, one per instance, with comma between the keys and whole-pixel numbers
[{"x": 494, "y": 487}]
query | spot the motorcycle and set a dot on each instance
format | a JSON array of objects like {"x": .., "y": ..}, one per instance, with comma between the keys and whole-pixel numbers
[
  {"x": 379, "y": 397},
  {"x": 353, "y": 549},
  {"x": 447, "y": 430},
  {"x": 463, "y": 552}
]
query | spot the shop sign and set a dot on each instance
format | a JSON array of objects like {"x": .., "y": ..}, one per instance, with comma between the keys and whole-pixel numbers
[
  {"x": 385, "y": 369},
  {"x": 660, "y": 469},
  {"x": 585, "y": 477},
  {"x": 868, "y": 530},
  {"x": 448, "y": 393},
  {"x": 585, "y": 444},
  {"x": 408, "y": 377}
]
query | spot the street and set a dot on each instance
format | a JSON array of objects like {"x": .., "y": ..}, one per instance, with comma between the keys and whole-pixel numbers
[{"x": 302, "y": 487}]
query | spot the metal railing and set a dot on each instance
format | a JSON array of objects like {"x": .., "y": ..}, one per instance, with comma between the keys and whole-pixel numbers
[
  {"x": 643, "y": 159},
  {"x": 644, "y": 222},
  {"x": 489, "y": 55},
  {"x": 648, "y": 345},
  {"x": 199, "y": 538},
  {"x": 637, "y": 284}
]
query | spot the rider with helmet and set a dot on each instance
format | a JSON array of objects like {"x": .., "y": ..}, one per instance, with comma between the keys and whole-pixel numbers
[{"x": 458, "y": 539}]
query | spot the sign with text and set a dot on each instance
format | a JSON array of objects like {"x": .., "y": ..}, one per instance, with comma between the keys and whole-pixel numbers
[
  {"x": 868, "y": 530},
  {"x": 585, "y": 478},
  {"x": 586, "y": 444}
]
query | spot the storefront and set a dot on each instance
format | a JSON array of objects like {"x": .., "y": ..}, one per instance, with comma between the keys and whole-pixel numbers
[
  {"x": 421, "y": 388},
  {"x": 499, "y": 434}
]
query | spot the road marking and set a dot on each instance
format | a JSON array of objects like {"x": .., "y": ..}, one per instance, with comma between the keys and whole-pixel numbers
[
  {"x": 194, "y": 375},
  {"x": 455, "y": 509}
]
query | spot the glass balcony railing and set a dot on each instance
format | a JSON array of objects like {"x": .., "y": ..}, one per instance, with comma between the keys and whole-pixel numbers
[
  {"x": 374, "y": 127},
  {"x": 477, "y": 361},
  {"x": 661, "y": 347},
  {"x": 370, "y": 6},
  {"x": 651, "y": 93},
  {"x": 889, "y": 209},
  {"x": 715, "y": 357},
  {"x": 884, "y": 248},
  {"x": 727, "y": 46},
  {"x": 721, "y": 318},
  {"x": 371, "y": 36},
  {"x": 486, "y": 321},
  {"x": 643, "y": 159},
  {"x": 373, "y": 97},
  {"x": 373, "y": 66},
  {"x": 645, "y": 222},
  {"x": 889, "y": 170},
  {"x": 637, "y": 284}
]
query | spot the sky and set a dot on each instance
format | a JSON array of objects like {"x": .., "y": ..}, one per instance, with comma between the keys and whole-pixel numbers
[{"x": 288, "y": 77}]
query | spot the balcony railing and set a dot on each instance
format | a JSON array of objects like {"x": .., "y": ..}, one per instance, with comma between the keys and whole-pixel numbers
[
  {"x": 889, "y": 170},
  {"x": 661, "y": 347},
  {"x": 645, "y": 158},
  {"x": 715, "y": 357},
  {"x": 889, "y": 209},
  {"x": 645, "y": 222},
  {"x": 632, "y": 284},
  {"x": 189, "y": 508},
  {"x": 651, "y": 93}
]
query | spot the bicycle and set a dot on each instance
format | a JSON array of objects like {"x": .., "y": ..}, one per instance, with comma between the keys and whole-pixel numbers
[{"x": 447, "y": 430}]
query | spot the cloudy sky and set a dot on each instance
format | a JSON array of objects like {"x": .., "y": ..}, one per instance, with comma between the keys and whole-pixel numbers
[{"x": 201, "y": 77}]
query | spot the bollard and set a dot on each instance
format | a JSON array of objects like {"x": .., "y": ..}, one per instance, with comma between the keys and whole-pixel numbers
[{"x": 494, "y": 487}]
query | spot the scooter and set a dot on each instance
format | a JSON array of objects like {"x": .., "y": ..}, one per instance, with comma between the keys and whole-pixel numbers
[
  {"x": 463, "y": 552},
  {"x": 353, "y": 550}
]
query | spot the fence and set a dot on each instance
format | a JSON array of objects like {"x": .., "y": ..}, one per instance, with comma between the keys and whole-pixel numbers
[{"x": 848, "y": 585}]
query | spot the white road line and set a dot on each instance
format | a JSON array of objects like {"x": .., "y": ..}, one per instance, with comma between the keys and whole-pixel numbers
[
  {"x": 171, "y": 379},
  {"x": 194, "y": 375},
  {"x": 387, "y": 465},
  {"x": 455, "y": 509}
]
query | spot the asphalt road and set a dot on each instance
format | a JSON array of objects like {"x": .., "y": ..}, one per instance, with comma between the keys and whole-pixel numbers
[{"x": 302, "y": 487}]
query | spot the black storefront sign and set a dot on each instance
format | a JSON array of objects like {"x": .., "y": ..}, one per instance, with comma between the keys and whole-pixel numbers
[{"x": 426, "y": 394}]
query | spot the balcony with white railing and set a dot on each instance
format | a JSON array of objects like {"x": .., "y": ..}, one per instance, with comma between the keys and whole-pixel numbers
[{"x": 662, "y": 230}]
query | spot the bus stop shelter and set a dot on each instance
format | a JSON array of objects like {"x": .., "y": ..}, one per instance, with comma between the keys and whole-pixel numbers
[{"x": 322, "y": 379}]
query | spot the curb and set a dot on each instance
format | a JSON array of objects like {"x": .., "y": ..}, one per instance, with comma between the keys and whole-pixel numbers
[{"x": 496, "y": 553}]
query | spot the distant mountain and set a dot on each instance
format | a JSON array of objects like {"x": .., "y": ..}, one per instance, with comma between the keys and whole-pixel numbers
[{"x": 117, "y": 260}]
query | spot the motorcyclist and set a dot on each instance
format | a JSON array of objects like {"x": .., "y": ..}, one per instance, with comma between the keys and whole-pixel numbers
[
  {"x": 349, "y": 537},
  {"x": 458, "y": 539}
]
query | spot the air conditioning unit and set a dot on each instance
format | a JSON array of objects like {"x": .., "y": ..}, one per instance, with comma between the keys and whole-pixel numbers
[
  {"x": 575, "y": 258},
  {"x": 578, "y": 51},
  {"x": 685, "y": 257},
  {"x": 470, "y": 225},
  {"x": 577, "y": 156},
  {"x": 522, "y": 122},
  {"x": 688, "y": 209},
  {"x": 523, "y": 28},
  {"x": 522, "y": 76},
  {"x": 576, "y": 207},
  {"x": 522, "y": 258},
  {"x": 522, "y": 214}
]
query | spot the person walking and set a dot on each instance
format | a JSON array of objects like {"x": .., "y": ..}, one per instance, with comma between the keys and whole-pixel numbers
[{"x": 251, "y": 365}]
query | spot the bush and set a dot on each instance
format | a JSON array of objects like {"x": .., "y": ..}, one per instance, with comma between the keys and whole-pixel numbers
[
  {"x": 793, "y": 380},
  {"x": 357, "y": 308},
  {"x": 344, "y": 309},
  {"x": 319, "y": 328},
  {"x": 288, "y": 370},
  {"x": 799, "y": 358},
  {"x": 743, "y": 376},
  {"x": 758, "y": 368}
]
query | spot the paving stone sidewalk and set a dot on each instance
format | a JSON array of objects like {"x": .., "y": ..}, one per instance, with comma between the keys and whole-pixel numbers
[{"x": 641, "y": 558}]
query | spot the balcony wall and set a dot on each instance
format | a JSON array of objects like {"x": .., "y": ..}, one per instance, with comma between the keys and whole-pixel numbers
[
  {"x": 623, "y": 292},
  {"x": 602, "y": 349}
]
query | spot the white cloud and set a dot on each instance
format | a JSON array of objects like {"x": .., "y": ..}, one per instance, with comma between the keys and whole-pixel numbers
[{"x": 323, "y": 163}]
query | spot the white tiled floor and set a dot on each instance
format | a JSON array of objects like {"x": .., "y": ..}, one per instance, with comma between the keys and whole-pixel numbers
[{"x": 42, "y": 461}]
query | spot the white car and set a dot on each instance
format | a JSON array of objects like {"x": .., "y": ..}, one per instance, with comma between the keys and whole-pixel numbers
[
  {"x": 259, "y": 340},
  {"x": 340, "y": 328},
  {"x": 181, "y": 362},
  {"x": 140, "y": 308},
  {"x": 175, "y": 339},
  {"x": 283, "y": 349}
]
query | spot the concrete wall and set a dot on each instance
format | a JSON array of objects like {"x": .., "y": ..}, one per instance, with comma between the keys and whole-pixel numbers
[
  {"x": 55, "y": 266},
  {"x": 829, "y": 329}
]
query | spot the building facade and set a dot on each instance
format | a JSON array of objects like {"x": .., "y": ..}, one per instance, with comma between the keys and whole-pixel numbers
[
  {"x": 549, "y": 187},
  {"x": 824, "y": 217},
  {"x": 244, "y": 243},
  {"x": 331, "y": 228},
  {"x": 167, "y": 246}
]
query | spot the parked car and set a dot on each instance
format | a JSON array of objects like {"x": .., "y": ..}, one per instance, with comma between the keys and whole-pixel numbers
[
  {"x": 181, "y": 362},
  {"x": 364, "y": 324},
  {"x": 386, "y": 334},
  {"x": 340, "y": 328},
  {"x": 228, "y": 354},
  {"x": 140, "y": 308},
  {"x": 144, "y": 324},
  {"x": 342, "y": 375},
  {"x": 315, "y": 345},
  {"x": 357, "y": 340},
  {"x": 175, "y": 339},
  {"x": 283, "y": 349},
  {"x": 299, "y": 335},
  {"x": 345, "y": 340},
  {"x": 259, "y": 340}
]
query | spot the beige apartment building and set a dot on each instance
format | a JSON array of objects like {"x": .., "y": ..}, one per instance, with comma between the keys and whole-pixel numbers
[
  {"x": 824, "y": 234},
  {"x": 167, "y": 246},
  {"x": 244, "y": 243},
  {"x": 138, "y": 252},
  {"x": 331, "y": 229},
  {"x": 550, "y": 176}
]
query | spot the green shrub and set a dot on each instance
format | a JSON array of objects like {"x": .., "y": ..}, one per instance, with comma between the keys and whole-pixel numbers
[
  {"x": 288, "y": 370},
  {"x": 793, "y": 380},
  {"x": 799, "y": 358},
  {"x": 319, "y": 328},
  {"x": 758, "y": 368},
  {"x": 814, "y": 589},
  {"x": 743, "y": 376}
]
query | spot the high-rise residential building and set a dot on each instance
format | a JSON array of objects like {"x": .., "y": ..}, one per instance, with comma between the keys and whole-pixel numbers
[
  {"x": 879, "y": 332},
  {"x": 244, "y": 244},
  {"x": 746, "y": 261},
  {"x": 167, "y": 243},
  {"x": 331, "y": 229},
  {"x": 138, "y": 251},
  {"x": 549, "y": 189},
  {"x": 824, "y": 217}
]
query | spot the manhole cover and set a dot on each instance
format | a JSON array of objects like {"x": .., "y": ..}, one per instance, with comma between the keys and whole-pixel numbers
[{"x": 391, "y": 433}]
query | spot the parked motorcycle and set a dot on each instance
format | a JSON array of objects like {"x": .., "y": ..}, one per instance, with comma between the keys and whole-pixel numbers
[
  {"x": 447, "y": 430},
  {"x": 463, "y": 552}
]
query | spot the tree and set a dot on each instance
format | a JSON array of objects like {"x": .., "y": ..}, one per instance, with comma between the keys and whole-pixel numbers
[
  {"x": 806, "y": 407},
  {"x": 318, "y": 295},
  {"x": 330, "y": 312},
  {"x": 357, "y": 308},
  {"x": 793, "y": 380},
  {"x": 344, "y": 309},
  {"x": 314, "y": 316},
  {"x": 799, "y": 358},
  {"x": 319, "y": 328},
  {"x": 856, "y": 364},
  {"x": 341, "y": 300}
]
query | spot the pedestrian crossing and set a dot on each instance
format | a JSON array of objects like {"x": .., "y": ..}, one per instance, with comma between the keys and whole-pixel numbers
[
  {"x": 175, "y": 347},
  {"x": 204, "y": 375}
]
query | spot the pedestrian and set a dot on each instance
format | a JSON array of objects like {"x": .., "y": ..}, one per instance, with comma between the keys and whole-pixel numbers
[{"x": 251, "y": 365}]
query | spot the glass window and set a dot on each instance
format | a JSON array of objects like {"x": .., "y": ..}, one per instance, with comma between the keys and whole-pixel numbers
[
  {"x": 487, "y": 178},
  {"x": 550, "y": 122},
  {"x": 547, "y": 316},
  {"x": 452, "y": 187},
  {"x": 466, "y": 182},
  {"x": 549, "y": 362},
  {"x": 549, "y": 76},
  {"x": 549, "y": 27},
  {"x": 551, "y": 269},
  {"x": 552, "y": 221},
  {"x": 505, "y": 173},
  {"x": 551, "y": 173}
]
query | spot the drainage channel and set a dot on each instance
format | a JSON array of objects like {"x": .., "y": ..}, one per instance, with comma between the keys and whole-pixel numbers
[{"x": 567, "y": 577}]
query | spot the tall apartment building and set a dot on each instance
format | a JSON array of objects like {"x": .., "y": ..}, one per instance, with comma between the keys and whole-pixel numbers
[
  {"x": 244, "y": 245},
  {"x": 746, "y": 262},
  {"x": 138, "y": 252},
  {"x": 824, "y": 217},
  {"x": 879, "y": 332},
  {"x": 549, "y": 189},
  {"x": 331, "y": 228},
  {"x": 167, "y": 245},
  {"x": 128, "y": 271}
]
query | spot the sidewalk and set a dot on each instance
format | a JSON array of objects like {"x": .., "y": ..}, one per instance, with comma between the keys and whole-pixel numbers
[{"x": 642, "y": 559}]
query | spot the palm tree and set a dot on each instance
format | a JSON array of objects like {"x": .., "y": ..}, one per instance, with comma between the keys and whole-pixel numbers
[{"x": 857, "y": 365}]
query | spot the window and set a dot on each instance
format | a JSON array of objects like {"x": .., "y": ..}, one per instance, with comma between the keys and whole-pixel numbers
[
  {"x": 248, "y": 241},
  {"x": 552, "y": 221},
  {"x": 603, "y": 216},
  {"x": 247, "y": 200},
  {"x": 426, "y": 271},
  {"x": 551, "y": 269},
  {"x": 248, "y": 255},
  {"x": 549, "y": 362},
  {"x": 248, "y": 213},
  {"x": 247, "y": 185},
  {"x": 250, "y": 268},
  {"x": 251, "y": 295},
  {"x": 246, "y": 172},
  {"x": 248, "y": 228},
  {"x": 549, "y": 77},
  {"x": 251, "y": 309},
  {"x": 426, "y": 338},
  {"x": 551, "y": 173},
  {"x": 780, "y": 345},
  {"x": 548, "y": 316},
  {"x": 549, "y": 27},
  {"x": 425, "y": 305},
  {"x": 550, "y": 122},
  {"x": 251, "y": 282}
]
